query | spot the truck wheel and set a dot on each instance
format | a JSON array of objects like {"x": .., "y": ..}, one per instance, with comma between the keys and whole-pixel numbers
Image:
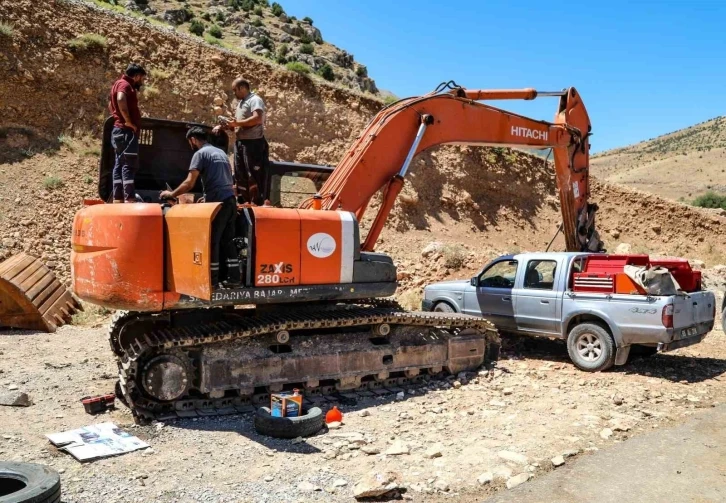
[
  {"x": 591, "y": 348},
  {"x": 443, "y": 307},
  {"x": 29, "y": 483},
  {"x": 289, "y": 427}
]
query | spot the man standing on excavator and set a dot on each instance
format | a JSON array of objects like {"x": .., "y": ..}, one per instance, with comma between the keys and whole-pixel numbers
[
  {"x": 212, "y": 164},
  {"x": 124, "y": 106},
  {"x": 251, "y": 150}
]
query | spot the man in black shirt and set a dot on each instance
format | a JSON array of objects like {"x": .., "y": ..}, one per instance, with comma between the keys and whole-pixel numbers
[{"x": 212, "y": 165}]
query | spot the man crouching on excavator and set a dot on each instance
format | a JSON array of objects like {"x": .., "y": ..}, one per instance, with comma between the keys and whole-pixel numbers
[{"x": 212, "y": 165}]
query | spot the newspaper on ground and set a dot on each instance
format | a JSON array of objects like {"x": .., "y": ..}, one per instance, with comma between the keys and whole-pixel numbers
[{"x": 96, "y": 441}]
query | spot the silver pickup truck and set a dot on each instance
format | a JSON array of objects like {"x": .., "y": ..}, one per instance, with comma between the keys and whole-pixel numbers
[{"x": 532, "y": 294}]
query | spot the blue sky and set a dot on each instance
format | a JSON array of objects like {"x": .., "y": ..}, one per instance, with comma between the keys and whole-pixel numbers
[{"x": 643, "y": 68}]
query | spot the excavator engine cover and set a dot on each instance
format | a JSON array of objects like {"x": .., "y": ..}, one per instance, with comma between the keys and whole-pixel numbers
[{"x": 31, "y": 297}]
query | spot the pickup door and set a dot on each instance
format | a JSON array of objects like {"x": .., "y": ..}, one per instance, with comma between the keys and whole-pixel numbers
[
  {"x": 537, "y": 304},
  {"x": 492, "y": 296}
]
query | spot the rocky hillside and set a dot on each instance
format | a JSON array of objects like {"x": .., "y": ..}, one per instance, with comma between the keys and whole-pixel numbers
[
  {"x": 264, "y": 29},
  {"x": 680, "y": 165},
  {"x": 461, "y": 205}
]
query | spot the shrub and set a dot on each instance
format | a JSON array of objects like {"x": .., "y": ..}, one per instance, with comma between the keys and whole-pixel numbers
[
  {"x": 257, "y": 22},
  {"x": 88, "y": 179},
  {"x": 207, "y": 16},
  {"x": 308, "y": 20},
  {"x": 211, "y": 40},
  {"x": 258, "y": 11},
  {"x": 307, "y": 49},
  {"x": 6, "y": 30},
  {"x": 150, "y": 91},
  {"x": 215, "y": 31},
  {"x": 326, "y": 72},
  {"x": 88, "y": 41},
  {"x": 710, "y": 200},
  {"x": 66, "y": 140},
  {"x": 283, "y": 49},
  {"x": 197, "y": 27},
  {"x": 159, "y": 74},
  {"x": 454, "y": 256},
  {"x": 361, "y": 71},
  {"x": 297, "y": 67},
  {"x": 220, "y": 17},
  {"x": 266, "y": 42},
  {"x": 305, "y": 39},
  {"x": 277, "y": 9},
  {"x": 53, "y": 182},
  {"x": 390, "y": 99},
  {"x": 411, "y": 299}
]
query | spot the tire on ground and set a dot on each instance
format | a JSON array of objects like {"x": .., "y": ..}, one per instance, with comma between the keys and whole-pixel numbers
[
  {"x": 28, "y": 483},
  {"x": 443, "y": 307},
  {"x": 583, "y": 344},
  {"x": 289, "y": 427}
]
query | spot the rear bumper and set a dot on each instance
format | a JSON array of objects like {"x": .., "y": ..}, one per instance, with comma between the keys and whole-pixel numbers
[
  {"x": 682, "y": 343},
  {"x": 427, "y": 305}
]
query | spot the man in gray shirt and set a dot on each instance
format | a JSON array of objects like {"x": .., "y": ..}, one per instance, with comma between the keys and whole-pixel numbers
[
  {"x": 212, "y": 165},
  {"x": 251, "y": 150}
]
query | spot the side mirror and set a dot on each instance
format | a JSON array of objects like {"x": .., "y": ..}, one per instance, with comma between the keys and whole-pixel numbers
[{"x": 474, "y": 281}]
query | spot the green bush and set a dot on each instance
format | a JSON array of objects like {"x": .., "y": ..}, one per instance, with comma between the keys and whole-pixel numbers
[
  {"x": 266, "y": 42},
  {"x": 308, "y": 20},
  {"x": 307, "y": 49},
  {"x": 257, "y": 22},
  {"x": 88, "y": 41},
  {"x": 297, "y": 67},
  {"x": 258, "y": 11},
  {"x": 710, "y": 200},
  {"x": 196, "y": 27},
  {"x": 220, "y": 17},
  {"x": 305, "y": 39},
  {"x": 215, "y": 31},
  {"x": 361, "y": 71},
  {"x": 207, "y": 16},
  {"x": 326, "y": 72},
  {"x": 277, "y": 9},
  {"x": 53, "y": 182},
  {"x": 390, "y": 99},
  {"x": 211, "y": 40},
  {"x": 6, "y": 30},
  {"x": 283, "y": 49}
]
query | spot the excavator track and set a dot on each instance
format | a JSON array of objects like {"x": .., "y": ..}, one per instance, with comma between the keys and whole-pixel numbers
[{"x": 225, "y": 361}]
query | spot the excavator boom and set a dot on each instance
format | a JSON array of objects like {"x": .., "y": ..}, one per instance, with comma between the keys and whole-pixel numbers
[{"x": 380, "y": 157}]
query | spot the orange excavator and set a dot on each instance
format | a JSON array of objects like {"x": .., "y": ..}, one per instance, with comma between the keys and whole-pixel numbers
[{"x": 311, "y": 312}]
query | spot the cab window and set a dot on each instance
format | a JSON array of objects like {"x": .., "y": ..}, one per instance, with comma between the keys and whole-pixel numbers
[
  {"x": 540, "y": 274},
  {"x": 499, "y": 275},
  {"x": 292, "y": 188}
]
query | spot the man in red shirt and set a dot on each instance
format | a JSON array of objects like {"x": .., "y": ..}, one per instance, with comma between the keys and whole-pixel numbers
[{"x": 124, "y": 106}]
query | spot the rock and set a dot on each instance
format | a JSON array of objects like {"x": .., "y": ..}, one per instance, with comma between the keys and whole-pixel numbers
[
  {"x": 656, "y": 228},
  {"x": 606, "y": 433},
  {"x": 517, "y": 480},
  {"x": 365, "y": 413},
  {"x": 397, "y": 448},
  {"x": 507, "y": 391},
  {"x": 570, "y": 452},
  {"x": 434, "y": 451},
  {"x": 618, "y": 426},
  {"x": 615, "y": 234},
  {"x": 307, "y": 487},
  {"x": 558, "y": 461},
  {"x": 441, "y": 485},
  {"x": 8, "y": 243},
  {"x": 269, "y": 478},
  {"x": 370, "y": 450},
  {"x": 457, "y": 384},
  {"x": 400, "y": 395},
  {"x": 485, "y": 478},
  {"x": 12, "y": 387},
  {"x": 176, "y": 16},
  {"x": 497, "y": 403},
  {"x": 618, "y": 400},
  {"x": 375, "y": 485},
  {"x": 698, "y": 265},
  {"x": 428, "y": 250},
  {"x": 514, "y": 457},
  {"x": 502, "y": 472},
  {"x": 15, "y": 399},
  {"x": 334, "y": 425},
  {"x": 285, "y": 39},
  {"x": 340, "y": 483},
  {"x": 622, "y": 249}
]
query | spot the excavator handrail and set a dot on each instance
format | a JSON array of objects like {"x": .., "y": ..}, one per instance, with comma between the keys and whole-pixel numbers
[{"x": 379, "y": 157}]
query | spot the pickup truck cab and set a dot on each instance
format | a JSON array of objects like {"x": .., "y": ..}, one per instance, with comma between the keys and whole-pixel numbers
[{"x": 533, "y": 294}]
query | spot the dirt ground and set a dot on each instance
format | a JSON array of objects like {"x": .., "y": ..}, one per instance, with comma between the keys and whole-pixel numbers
[{"x": 512, "y": 419}]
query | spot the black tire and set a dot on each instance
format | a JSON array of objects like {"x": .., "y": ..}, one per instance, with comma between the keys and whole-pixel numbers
[
  {"x": 29, "y": 483},
  {"x": 591, "y": 347},
  {"x": 443, "y": 307},
  {"x": 289, "y": 427}
]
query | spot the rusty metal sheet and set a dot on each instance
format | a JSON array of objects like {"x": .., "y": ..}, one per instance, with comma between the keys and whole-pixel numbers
[
  {"x": 188, "y": 236},
  {"x": 31, "y": 296}
]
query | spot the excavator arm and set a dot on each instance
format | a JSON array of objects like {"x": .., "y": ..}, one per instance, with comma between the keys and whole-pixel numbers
[{"x": 381, "y": 155}]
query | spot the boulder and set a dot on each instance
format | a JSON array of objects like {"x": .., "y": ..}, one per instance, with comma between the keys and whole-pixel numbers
[
  {"x": 15, "y": 398},
  {"x": 376, "y": 485},
  {"x": 176, "y": 16}
]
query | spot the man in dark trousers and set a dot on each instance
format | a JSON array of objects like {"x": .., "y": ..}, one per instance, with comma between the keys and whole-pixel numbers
[
  {"x": 124, "y": 106},
  {"x": 251, "y": 152},
  {"x": 212, "y": 165}
]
